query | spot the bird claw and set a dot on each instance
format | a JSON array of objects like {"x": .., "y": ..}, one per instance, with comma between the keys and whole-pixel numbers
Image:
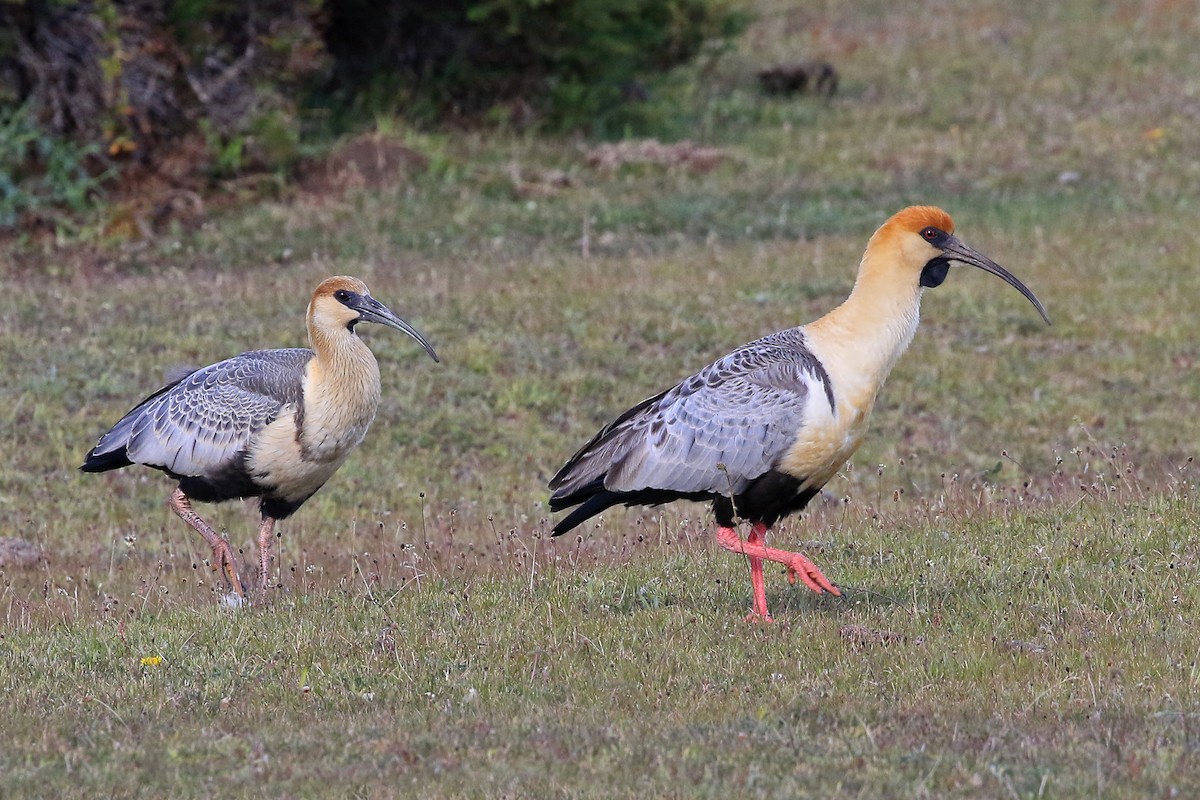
[
  {"x": 225, "y": 564},
  {"x": 759, "y": 619},
  {"x": 810, "y": 576}
]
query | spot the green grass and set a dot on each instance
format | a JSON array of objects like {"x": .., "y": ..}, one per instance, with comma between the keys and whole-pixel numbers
[{"x": 1016, "y": 535}]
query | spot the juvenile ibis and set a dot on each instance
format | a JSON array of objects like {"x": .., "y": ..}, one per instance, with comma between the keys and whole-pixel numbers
[
  {"x": 760, "y": 431},
  {"x": 272, "y": 424}
]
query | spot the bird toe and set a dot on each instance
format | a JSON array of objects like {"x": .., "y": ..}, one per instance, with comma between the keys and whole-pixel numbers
[{"x": 811, "y": 576}]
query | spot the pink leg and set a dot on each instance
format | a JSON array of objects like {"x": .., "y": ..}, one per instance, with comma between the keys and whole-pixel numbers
[
  {"x": 757, "y": 583},
  {"x": 266, "y": 533},
  {"x": 728, "y": 538},
  {"x": 223, "y": 561},
  {"x": 756, "y": 551}
]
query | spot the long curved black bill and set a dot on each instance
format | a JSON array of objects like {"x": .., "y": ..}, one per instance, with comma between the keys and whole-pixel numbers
[
  {"x": 956, "y": 249},
  {"x": 371, "y": 310}
]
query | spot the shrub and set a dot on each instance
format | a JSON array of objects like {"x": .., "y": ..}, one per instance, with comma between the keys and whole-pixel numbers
[
  {"x": 134, "y": 75},
  {"x": 42, "y": 172},
  {"x": 565, "y": 64},
  {"x": 93, "y": 86}
]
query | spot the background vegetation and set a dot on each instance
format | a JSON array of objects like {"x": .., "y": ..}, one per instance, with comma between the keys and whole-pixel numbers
[
  {"x": 1016, "y": 536},
  {"x": 139, "y": 97}
]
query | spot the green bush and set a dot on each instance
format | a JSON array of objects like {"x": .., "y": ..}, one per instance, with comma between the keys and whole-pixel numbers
[
  {"x": 95, "y": 86},
  {"x": 135, "y": 76},
  {"x": 42, "y": 172},
  {"x": 591, "y": 65}
]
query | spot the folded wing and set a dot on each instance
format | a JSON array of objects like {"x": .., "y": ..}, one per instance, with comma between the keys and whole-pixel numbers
[
  {"x": 712, "y": 434},
  {"x": 204, "y": 422}
]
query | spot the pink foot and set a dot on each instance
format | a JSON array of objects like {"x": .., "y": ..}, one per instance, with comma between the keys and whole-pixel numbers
[
  {"x": 800, "y": 567},
  {"x": 755, "y": 551}
]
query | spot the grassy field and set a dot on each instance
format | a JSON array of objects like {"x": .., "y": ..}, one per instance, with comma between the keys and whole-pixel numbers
[{"x": 1017, "y": 536}]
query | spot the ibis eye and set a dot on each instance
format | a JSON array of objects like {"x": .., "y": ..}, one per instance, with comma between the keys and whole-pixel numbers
[{"x": 342, "y": 296}]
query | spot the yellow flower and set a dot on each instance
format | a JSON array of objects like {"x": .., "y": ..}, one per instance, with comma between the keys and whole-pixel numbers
[{"x": 151, "y": 661}]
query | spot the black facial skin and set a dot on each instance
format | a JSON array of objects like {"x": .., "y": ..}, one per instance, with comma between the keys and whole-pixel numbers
[
  {"x": 934, "y": 273},
  {"x": 935, "y": 236}
]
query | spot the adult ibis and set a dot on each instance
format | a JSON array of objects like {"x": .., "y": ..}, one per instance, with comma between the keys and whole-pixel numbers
[
  {"x": 272, "y": 424},
  {"x": 760, "y": 431}
]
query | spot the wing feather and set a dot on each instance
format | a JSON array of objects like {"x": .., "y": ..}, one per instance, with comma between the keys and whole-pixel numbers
[
  {"x": 205, "y": 421},
  {"x": 714, "y": 432}
]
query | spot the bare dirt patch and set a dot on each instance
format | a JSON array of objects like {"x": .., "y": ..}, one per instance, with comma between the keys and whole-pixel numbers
[
  {"x": 686, "y": 154},
  {"x": 370, "y": 161}
]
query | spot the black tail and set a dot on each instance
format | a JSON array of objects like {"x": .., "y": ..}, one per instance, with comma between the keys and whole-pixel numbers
[
  {"x": 102, "y": 462},
  {"x": 108, "y": 452},
  {"x": 593, "y": 505},
  {"x": 594, "y": 498}
]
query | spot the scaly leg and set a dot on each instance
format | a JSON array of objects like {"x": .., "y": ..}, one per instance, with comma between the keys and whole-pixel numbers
[
  {"x": 728, "y": 538},
  {"x": 266, "y": 535},
  {"x": 756, "y": 551},
  {"x": 224, "y": 561},
  {"x": 757, "y": 583}
]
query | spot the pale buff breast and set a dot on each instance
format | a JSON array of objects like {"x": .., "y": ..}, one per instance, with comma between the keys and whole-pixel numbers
[
  {"x": 830, "y": 436},
  {"x": 276, "y": 460},
  {"x": 827, "y": 440},
  {"x": 297, "y": 460},
  {"x": 337, "y": 417},
  {"x": 857, "y": 358}
]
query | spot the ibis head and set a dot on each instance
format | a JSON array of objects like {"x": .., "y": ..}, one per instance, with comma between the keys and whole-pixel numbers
[
  {"x": 921, "y": 242},
  {"x": 342, "y": 302}
]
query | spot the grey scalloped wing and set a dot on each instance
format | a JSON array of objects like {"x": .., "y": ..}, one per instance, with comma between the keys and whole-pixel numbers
[
  {"x": 714, "y": 432},
  {"x": 205, "y": 421}
]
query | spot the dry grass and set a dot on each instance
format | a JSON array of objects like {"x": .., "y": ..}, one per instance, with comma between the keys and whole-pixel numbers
[{"x": 1017, "y": 535}]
